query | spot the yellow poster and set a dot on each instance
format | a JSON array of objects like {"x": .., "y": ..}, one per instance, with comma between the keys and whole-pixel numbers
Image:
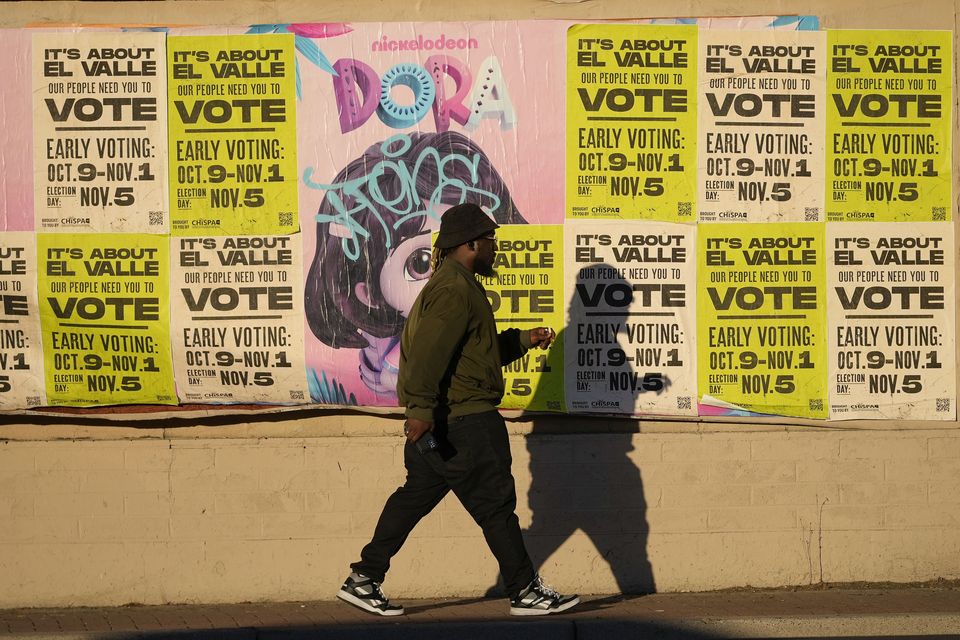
[
  {"x": 889, "y": 102},
  {"x": 526, "y": 293},
  {"x": 631, "y": 122},
  {"x": 233, "y": 135},
  {"x": 104, "y": 313},
  {"x": 761, "y": 319}
]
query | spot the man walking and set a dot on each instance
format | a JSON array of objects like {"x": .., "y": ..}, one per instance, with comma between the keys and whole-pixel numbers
[{"x": 450, "y": 382}]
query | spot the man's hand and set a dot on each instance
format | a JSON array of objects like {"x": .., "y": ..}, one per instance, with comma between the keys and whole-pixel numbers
[
  {"x": 542, "y": 337},
  {"x": 414, "y": 428}
]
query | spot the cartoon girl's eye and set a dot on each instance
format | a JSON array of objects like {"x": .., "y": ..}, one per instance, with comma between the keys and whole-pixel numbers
[
  {"x": 405, "y": 271},
  {"x": 417, "y": 265}
]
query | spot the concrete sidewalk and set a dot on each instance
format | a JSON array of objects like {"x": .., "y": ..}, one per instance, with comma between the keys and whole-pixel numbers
[{"x": 862, "y": 613}]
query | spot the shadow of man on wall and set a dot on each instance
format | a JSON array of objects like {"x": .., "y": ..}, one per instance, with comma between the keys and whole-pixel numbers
[{"x": 583, "y": 477}]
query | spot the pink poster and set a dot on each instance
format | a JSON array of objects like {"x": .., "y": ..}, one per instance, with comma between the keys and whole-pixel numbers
[
  {"x": 16, "y": 133},
  {"x": 397, "y": 122}
]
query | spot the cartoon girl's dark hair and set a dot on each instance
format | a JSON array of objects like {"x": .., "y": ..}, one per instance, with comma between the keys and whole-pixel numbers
[{"x": 334, "y": 312}]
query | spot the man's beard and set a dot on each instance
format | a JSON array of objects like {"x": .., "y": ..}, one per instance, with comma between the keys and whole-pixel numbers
[{"x": 484, "y": 269}]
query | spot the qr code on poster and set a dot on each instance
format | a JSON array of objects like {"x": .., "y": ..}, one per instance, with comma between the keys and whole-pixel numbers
[
  {"x": 683, "y": 403},
  {"x": 296, "y": 395},
  {"x": 684, "y": 209},
  {"x": 156, "y": 218},
  {"x": 943, "y": 405},
  {"x": 939, "y": 214},
  {"x": 816, "y": 404},
  {"x": 811, "y": 214},
  {"x": 286, "y": 218}
]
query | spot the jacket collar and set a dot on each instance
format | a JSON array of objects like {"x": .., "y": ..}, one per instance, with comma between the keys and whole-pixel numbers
[{"x": 466, "y": 273}]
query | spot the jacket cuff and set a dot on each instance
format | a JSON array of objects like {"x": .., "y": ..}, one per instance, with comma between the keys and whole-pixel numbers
[
  {"x": 525, "y": 339},
  {"x": 419, "y": 413}
]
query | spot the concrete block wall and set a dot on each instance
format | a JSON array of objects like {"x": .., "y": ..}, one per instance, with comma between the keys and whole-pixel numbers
[{"x": 276, "y": 511}]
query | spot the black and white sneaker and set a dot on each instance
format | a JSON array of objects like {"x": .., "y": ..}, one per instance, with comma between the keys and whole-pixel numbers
[
  {"x": 539, "y": 600},
  {"x": 363, "y": 592}
]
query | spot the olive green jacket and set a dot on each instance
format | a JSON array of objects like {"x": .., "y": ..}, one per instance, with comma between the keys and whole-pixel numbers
[{"x": 450, "y": 352}]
